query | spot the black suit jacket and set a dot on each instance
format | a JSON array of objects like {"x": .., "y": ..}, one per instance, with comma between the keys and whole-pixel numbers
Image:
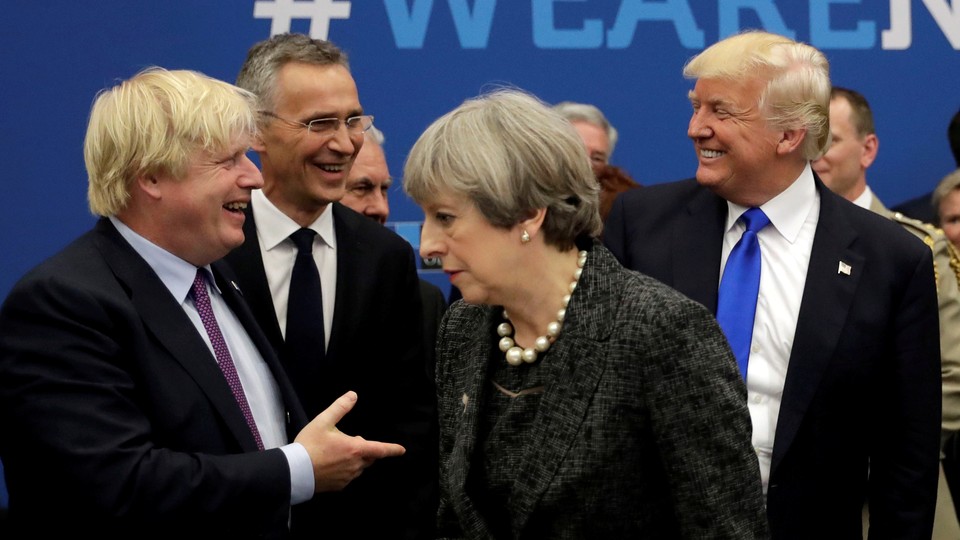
[
  {"x": 434, "y": 306},
  {"x": 376, "y": 349},
  {"x": 116, "y": 420},
  {"x": 863, "y": 384}
]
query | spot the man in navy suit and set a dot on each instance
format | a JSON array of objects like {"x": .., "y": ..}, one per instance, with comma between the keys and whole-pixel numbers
[
  {"x": 138, "y": 397},
  {"x": 843, "y": 365},
  {"x": 312, "y": 126}
]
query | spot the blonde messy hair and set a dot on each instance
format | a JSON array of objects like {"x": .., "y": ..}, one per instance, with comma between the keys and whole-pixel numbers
[
  {"x": 797, "y": 94},
  {"x": 154, "y": 123}
]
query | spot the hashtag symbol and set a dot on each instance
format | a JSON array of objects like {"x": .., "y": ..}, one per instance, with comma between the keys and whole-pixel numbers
[{"x": 282, "y": 12}]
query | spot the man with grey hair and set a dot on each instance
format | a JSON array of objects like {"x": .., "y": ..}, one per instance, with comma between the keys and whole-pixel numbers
[
  {"x": 598, "y": 134},
  {"x": 138, "y": 397},
  {"x": 336, "y": 293},
  {"x": 830, "y": 309}
]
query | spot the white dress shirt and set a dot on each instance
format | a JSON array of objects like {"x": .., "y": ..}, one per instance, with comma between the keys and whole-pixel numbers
[
  {"x": 279, "y": 253},
  {"x": 785, "y": 247}
]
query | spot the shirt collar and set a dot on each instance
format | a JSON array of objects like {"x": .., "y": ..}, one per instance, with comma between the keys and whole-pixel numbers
[
  {"x": 865, "y": 200},
  {"x": 787, "y": 211},
  {"x": 175, "y": 273},
  {"x": 273, "y": 226}
]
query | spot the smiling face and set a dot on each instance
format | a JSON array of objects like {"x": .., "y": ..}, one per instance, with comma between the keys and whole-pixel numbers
[
  {"x": 734, "y": 145},
  {"x": 456, "y": 232},
  {"x": 199, "y": 217},
  {"x": 304, "y": 171},
  {"x": 368, "y": 183}
]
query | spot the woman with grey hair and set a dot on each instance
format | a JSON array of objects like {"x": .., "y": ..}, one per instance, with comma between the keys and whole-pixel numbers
[{"x": 577, "y": 399}]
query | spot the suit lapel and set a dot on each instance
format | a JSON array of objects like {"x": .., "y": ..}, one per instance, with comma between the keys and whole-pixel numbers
[
  {"x": 696, "y": 266},
  {"x": 233, "y": 296},
  {"x": 827, "y": 298},
  {"x": 247, "y": 264},
  {"x": 577, "y": 365},
  {"x": 353, "y": 278},
  {"x": 474, "y": 359},
  {"x": 163, "y": 316}
]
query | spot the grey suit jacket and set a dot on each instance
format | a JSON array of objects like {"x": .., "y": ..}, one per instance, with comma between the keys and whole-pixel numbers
[{"x": 644, "y": 432}]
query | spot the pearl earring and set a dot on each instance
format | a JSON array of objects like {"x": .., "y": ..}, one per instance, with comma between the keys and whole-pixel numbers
[{"x": 524, "y": 237}]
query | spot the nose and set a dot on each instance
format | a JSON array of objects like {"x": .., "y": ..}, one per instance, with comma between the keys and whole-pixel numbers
[
  {"x": 430, "y": 244},
  {"x": 343, "y": 141},
  {"x": 378, "y": 207},
  {"x": 250, "y": 176},
  {"x": 698, "y": 127}
]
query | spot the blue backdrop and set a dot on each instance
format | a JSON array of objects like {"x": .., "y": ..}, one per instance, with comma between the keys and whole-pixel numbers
[{"x": 416, "y": 59}]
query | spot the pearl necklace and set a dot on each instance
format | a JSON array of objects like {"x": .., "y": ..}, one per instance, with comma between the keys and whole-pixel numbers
[{"x": 515, "y": 354}]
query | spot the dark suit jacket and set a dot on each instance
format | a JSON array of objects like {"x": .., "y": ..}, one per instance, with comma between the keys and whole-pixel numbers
[
  {"x": 434, "y": 306},
  {"x": 863, "y": 383},
  {"x": 375, "y": 349},
  {"x": 643, "y": 432},
  {"x": 116, "y": 420}
]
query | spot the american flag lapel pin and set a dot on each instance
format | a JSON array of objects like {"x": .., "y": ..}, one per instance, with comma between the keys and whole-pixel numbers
[{"x": 844, "y": 269}]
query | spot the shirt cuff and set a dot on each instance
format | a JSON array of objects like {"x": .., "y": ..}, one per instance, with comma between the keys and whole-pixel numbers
[{"x": 301, "y": 473}]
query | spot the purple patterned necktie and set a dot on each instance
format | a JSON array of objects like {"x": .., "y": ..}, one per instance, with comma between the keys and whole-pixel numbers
[{"x": 202, "y": 301}]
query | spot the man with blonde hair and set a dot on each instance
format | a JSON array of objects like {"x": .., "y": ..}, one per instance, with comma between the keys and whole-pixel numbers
[
  {"x": 138, "y": 398},
  {"x": 831, "y": 310}
]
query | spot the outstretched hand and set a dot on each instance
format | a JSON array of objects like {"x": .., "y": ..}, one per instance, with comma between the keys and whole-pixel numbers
[{"x": 339, "y": 458}]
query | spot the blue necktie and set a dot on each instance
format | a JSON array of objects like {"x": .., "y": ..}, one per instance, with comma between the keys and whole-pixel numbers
[{"x": 737, "y": 298}]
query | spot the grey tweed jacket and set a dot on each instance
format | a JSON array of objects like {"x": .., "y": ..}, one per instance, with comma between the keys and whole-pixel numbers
[{"x": 643, "y": 432}]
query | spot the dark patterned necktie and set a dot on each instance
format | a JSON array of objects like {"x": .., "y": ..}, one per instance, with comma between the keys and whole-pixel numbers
[{"x": 202, "y": 301}]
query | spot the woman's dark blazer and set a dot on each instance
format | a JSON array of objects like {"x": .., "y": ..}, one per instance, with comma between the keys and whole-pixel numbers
[{"x": 643, "y": 433}]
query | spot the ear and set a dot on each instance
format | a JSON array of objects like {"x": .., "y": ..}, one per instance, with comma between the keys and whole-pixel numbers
[
  {"x": 150, "y": 185},
  {"x": 871, "y": 144},
  {"x": 257, "y": 143},
  {"x": 534, "y": 223},
  {"x": 790, "y": 141}
]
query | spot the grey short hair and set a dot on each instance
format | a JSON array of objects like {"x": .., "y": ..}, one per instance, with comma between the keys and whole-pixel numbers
[
  {"x": 797, "y": 94},
  {"x": 584, "y": 112},
  {"x": 265, "y": 59},
  {"x": 376, "y": 135},
  {"x": 509, "y": 154}
]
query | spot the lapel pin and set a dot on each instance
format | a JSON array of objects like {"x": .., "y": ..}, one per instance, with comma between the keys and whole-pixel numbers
[
  {"x": 466, "y": 401},
  {"x": 235, "y": 286},
  {"x": 844, "y": 269}
]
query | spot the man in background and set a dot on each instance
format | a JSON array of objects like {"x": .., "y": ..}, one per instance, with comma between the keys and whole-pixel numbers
[
  {"x": 336, "y": 293},
  {"x": 600, "y": 138},
  {"x": 843, "y": 169}
]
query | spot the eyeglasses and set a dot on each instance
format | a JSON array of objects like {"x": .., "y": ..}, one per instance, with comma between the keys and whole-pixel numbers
[{"x": 355, "y": 124}]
